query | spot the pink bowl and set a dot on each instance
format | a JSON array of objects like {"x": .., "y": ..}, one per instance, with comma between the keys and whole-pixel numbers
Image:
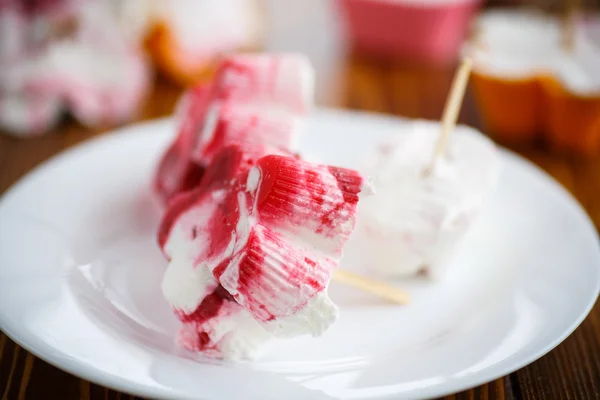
[{"x": 429, "y": 31}]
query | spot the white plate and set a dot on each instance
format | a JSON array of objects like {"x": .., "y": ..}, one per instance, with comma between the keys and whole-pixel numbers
[{"x": 80, "y": 271}]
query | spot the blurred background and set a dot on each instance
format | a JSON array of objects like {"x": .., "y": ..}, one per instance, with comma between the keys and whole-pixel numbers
[{"x": 71, "y": 69}]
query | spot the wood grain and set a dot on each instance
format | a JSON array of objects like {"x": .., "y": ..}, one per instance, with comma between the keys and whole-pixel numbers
[{"x": 571, "y": 371}]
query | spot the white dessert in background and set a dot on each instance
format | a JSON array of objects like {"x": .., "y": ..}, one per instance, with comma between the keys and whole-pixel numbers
[
  {"x": 203, "y": 29},
  {"x": 415, "y": 221},
  {"x": 524, "y": 43}
]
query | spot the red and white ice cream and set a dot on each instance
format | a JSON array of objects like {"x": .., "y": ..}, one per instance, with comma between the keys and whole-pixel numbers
[
  {"x": 251, "y": 251},
  {"x": 252, "y": 233},
  {"x": 260, "y": 98}
]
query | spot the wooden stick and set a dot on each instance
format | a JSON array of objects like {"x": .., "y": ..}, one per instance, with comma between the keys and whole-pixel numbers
[
  {"x": 374, "y": 287},
  {"x": 451, "y": 109},
  {"x": 570, "y": 24}
]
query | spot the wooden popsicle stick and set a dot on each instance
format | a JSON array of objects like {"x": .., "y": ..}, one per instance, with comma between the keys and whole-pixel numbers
[
  {"x": 377, "y": 288},
  {"x": 570, "y": 24},
  {"x": 451, "y": 109}
]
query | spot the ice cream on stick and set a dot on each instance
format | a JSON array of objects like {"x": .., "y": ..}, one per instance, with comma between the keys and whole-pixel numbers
[
  {"x": 416, "y": 220},
  {"x": 253, "y": 233},
  {"x": 265, "y": 238}
]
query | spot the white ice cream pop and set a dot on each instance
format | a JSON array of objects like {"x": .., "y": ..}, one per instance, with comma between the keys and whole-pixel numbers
[
  {"x": 414, "y": 222},
  {"x": 423, "y": 208}
]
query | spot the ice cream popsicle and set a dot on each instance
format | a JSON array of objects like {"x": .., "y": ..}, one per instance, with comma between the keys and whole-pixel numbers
[
  {"x": 256, "y": 243},
  {"x": 432, "y": 181},
  {"x": 415, "y": 221}
]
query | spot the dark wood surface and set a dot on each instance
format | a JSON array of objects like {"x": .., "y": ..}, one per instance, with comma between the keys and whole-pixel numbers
[{"x": 571, "y": 371}]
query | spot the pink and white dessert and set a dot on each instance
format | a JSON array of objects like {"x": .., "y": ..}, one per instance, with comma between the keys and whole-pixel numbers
[
  {"x": 251, "y": 251},
  {"x": 176, "y": 171},
  {"x": 68, "y": 55},
  {"x": 260, "y": 98},
  {"x": 416, "y": 221}
]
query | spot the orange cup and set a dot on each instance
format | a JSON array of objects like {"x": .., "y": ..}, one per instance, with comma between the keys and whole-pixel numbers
[
  {"x": 511, "y": 109},
  {"x": 572, "y": 121}
]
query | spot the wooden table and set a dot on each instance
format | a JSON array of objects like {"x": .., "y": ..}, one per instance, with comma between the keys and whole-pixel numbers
[{"x": 571, "y": 371}]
